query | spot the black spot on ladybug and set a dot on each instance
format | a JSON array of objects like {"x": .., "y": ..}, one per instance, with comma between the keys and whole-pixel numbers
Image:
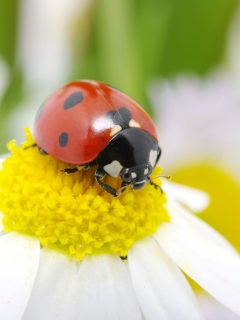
[
  {"x": 125, "y": 114},
  {"x": 73, "y": 100},
  {"x": 121, "y": 117},
  {"x": 39, "y": 113},
  {"x": 63, "y": 139}
]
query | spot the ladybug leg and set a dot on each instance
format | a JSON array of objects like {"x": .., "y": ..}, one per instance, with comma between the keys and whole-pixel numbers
[
  {"x": 31, "y": 146},
  {"x": 75, "y": 169},
  {"x": 99, "y": 175},
  {"x": 42, "y": 152},
  {"x": 72, "y": 170},
  {"x": 156, "y": 186},
  {"x": 123, "y": 187}
]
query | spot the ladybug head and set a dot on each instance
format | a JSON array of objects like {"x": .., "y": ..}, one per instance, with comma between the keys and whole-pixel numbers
[
  {"x": 137, "y": 176},
  {"x": 131, "y": 155}
]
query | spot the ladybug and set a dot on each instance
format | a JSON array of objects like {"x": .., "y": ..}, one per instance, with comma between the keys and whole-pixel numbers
[{"x": 89, "y": 123}]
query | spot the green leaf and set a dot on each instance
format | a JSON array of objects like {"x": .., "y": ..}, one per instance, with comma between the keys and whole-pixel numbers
[
  {"x": 8, "y": 30},
  {"x": 197, "y": 35}
]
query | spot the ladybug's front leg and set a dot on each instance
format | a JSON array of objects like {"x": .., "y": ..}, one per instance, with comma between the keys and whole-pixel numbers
[
  {"x": 31, "y": 146},
  {"x": 123, "y": 187},
  {"x": 41, "y": 151},
  {"x": 156, "y": 186},
  {"x": 72, "y": 170},
  {"x": 99, "y": 175}
]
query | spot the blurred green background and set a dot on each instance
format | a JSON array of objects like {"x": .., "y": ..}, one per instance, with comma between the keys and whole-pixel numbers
[{"x": 128, "y": 44}]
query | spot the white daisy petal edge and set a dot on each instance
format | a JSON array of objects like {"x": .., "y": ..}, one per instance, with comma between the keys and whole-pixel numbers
[
  {"x": 194, "y": 199},
  {"x": 105, "y": 281},
  {"x": 19, "y": 260},
  {"x": 2, "y": 158},
  {"x": 52, "y": 291},
  {"x": 205, "y": 229},
  {"x": 98, "y": 288},
  {"x": 162, "y": 290},
  {"x": 209, "y": 262}
]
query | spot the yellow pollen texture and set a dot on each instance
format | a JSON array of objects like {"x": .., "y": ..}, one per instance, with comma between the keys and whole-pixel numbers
[{"x": 71, "y": 213}]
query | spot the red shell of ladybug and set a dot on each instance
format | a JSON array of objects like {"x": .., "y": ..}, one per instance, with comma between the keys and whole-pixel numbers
[{"x": 77, "y": 122}]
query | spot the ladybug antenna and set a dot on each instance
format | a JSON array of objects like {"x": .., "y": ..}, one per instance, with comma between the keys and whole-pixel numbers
[{"x": 161, "y": 176}]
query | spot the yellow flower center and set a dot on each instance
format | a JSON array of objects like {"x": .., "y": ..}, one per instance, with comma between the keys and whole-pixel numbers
[{"x": 71, "y": 213}]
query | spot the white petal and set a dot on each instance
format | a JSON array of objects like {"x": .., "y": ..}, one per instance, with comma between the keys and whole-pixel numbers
[
  {"x": 53, "y": 289},
  {"x": 2, "y": 158},
  {"x": 105, "y": 291},
  {"x": 205, "y": 229},
  {"x": 161, "y": 289},
  {"x": 19, "y": 259},
  {"x": 209, "y": 262},
  {"x": 194, "y": 199},
  {"x": 213, "y": 310},
  {"x": 98, "y": 288}
]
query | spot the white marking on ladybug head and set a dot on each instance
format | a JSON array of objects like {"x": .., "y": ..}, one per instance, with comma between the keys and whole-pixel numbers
[
  {"x": 133, "y": 175},
  {"x": 153, "y": 157},
  {"x": 134, "y": 124},
  {"x": 115, "y": 129},
  {"x": 113, "y": 169},
  {"x": 146, "y": 171}
]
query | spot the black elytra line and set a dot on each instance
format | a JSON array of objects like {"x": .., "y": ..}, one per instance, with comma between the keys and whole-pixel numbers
[
  {"x": 63, "y": 139},
  {"x": 73, "y": 100}
]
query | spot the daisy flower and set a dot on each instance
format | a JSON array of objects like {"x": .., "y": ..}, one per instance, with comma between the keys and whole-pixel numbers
[
  {"x": 69, "y": 250},
  {"x": 199, "y": 130},
  {"x": 199, "y": 120}
]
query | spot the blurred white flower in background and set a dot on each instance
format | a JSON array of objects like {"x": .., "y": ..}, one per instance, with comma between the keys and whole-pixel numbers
[
  {"x": 45, "y": 53},
  {"x": 45, "y": 46},
  {"x": 198, "y": 119},
  {"x": 4, "y": 77}
]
